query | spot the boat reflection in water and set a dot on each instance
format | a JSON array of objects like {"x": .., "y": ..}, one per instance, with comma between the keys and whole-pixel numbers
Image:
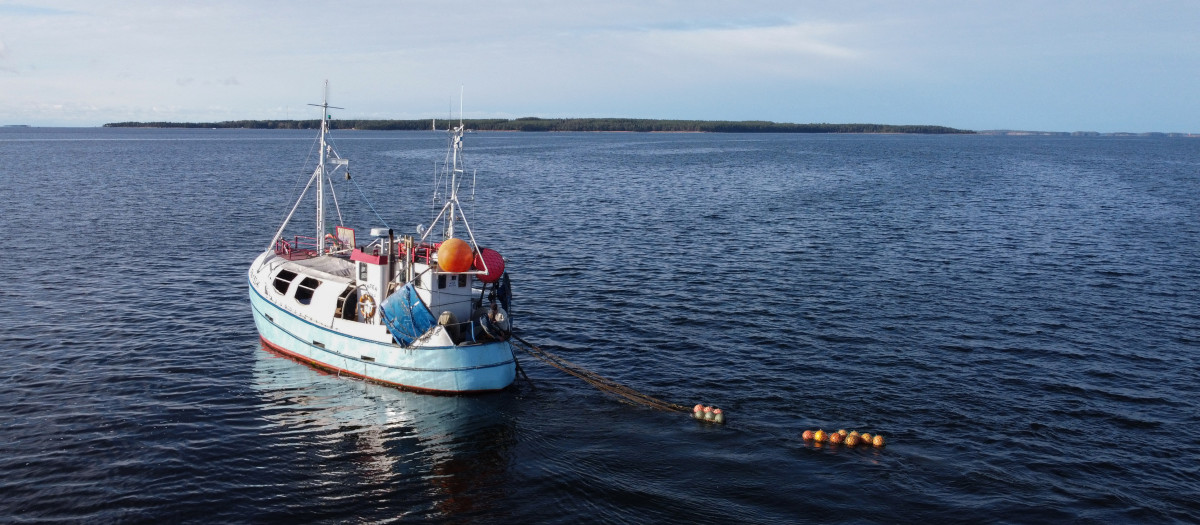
[{"x": 365, "y": 437}]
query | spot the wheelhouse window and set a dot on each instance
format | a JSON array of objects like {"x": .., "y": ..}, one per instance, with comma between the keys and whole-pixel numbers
[
  {"x": 304, "y": 290},
  {"x": 283, "y": 280}
]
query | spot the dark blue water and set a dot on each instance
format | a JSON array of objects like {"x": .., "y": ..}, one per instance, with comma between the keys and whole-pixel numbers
[{"x": 1019, "y": 316}]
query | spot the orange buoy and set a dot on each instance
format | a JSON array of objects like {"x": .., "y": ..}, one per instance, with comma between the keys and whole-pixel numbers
[
  {"x": 878, "y": 441},
  {"x": 807, "y": 435},
  {"x": 454, "y": 255},
  {"x": 852, "y": 440},
  {"x": 835, "y": 437}
]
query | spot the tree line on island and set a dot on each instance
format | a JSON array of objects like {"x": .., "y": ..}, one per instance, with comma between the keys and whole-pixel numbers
[{"x": 562, "y": 124}]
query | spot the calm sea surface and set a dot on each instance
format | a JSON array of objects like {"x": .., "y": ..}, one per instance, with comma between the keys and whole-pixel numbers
[{"x": 1019, "y": 316}]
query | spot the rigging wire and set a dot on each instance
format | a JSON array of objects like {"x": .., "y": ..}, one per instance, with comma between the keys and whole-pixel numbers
[
  {"x": 368, "y": 201},
  {"x": 336, "y": 206}
]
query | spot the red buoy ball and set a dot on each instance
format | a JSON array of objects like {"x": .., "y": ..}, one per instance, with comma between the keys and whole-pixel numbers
[
  {"x": 807, "y": 435},
  {"x": 835, "y": 437},
  {"x": 454, "y": 256},
  {"x": 490, "y": 259}
]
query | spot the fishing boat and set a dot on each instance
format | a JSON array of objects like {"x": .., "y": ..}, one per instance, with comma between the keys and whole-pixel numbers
[{"x": 426, "y": 311}]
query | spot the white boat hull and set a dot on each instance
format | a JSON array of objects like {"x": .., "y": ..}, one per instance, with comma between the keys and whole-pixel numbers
[{"x": 469, "y": 368}]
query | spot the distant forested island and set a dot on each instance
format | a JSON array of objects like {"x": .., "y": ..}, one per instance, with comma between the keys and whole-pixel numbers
[{"x": 563, "y": 124}]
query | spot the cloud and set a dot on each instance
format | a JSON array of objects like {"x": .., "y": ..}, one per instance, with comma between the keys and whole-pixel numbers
[
  {"x": 29, "y": 10},
  {"x": 6, "y": 64},
  {"x": 794, "y": 41}
]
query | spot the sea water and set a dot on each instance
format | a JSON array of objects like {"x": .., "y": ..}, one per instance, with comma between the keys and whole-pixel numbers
[{"x": 1018, "y": 316}]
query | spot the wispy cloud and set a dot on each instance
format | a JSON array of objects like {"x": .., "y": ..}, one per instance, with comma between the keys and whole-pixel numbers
[
  {"x": 4, "y": 62},
  {"x": 797, "y": 40},
  {"x": 31, "y": 10}
]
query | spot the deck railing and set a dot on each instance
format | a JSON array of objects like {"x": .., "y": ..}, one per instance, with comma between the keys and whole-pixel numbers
[{"x": 299, "y": 246}]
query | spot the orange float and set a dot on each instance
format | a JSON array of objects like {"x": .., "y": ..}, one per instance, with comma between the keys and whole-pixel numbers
[{"x": 454, "y": 256}]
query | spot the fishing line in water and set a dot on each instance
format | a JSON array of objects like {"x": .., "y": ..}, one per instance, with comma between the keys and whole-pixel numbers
[
  {"x": 706, "y": 414},
  {"x": 601, "y": 383}
]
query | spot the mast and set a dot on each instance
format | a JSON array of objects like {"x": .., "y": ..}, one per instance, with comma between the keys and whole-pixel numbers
[
  {"x": 455, "y": 168},
  {"x": 319, "y": 176},
  {"x": 456, "y": 165},
  {"x": 320, "y": 173},
  {"x": 450, "y": 177}
]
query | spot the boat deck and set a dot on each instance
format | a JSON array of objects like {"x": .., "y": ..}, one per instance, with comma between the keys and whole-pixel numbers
[{"x": 328, "y": 264}]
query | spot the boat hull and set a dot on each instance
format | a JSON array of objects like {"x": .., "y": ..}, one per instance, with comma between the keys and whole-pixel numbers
[{"x": 472, "y": 368}]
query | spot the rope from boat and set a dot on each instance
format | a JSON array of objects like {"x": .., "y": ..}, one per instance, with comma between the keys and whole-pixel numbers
[{"x": 601, "y": 383}]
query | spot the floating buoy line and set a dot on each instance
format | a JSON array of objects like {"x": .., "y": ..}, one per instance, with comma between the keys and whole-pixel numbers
[
  {"x": 841, "y": 437},
  {"x": 700, "y": 412},
  {"x": 708, "y": 414}
]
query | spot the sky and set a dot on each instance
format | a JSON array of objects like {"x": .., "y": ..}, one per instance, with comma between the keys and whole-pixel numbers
[{"x": 1057, "y": 65}]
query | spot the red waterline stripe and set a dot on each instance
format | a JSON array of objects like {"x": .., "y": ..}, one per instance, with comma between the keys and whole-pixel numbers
[{"x": 267, "y": 345}]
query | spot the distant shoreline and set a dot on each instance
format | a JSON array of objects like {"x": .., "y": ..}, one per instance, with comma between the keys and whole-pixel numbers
[
  {"x": 633, "y": 125},
  {"x": 565, "y": 124}
]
